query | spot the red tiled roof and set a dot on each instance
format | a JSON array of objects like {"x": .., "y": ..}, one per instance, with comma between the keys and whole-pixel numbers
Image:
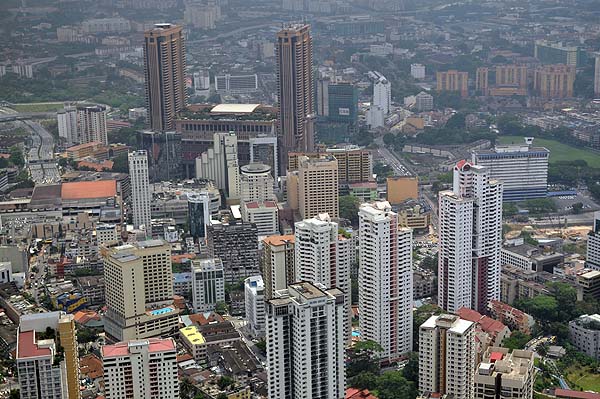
[
  {"x": 566, "y": 393},
  {"x": 469, "y": 314},
  {"x": 89, "y": 189},
  {"x": 201, "y": 319},
  {"x": 84, "y": 145},
  {"x": 28, "y": 347},
  {"x": 495, "y": 356},
  {"x": 486, "y": 323},
  {"x": 97, "y": 166},
  {"x": 279, "y": 240},
  {"x": 83, "y": 316},
  {"x": 184, "y": 358},
  {"x": 353, "y": 393},
  {"x": 91, "y": 366}
]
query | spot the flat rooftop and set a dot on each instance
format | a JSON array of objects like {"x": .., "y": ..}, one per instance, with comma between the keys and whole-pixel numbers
[
  {"x": 28, "y": 347},
  {"x": 89, "y": 189},
  {"x": 279, "y": 240},
  {"x": 155, "y": 345},
  {"x": 234, "y": 108},
  {"x": 308, "y": 290}
]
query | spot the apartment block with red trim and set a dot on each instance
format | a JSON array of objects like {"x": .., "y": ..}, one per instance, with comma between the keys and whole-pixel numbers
[
  {"x": 470, "y": 240},
  {"x": 385, "y": 285}
]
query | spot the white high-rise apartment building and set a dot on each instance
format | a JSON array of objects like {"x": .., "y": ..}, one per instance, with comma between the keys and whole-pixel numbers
[
  {"x": 593, "y": 245},
  {"x": 522, "y": 169},
  {"x": 305, "y": 345},
  {"x": 324, "y": 256},
  {"x": 254, "y": 295},
  {"x": 447, "y": 356},
  {"x": 91, "y": 124},
  {"x": 385, "y": 280},
  {"x": 470, "y": 240},
  {"x": 256, "y": 183},
  {"x": 139, "y": 291},
  {"x": 67, "y": 125},
  {"x": 220, "y": 164},
  {"x": 208, "y": 284},
  {"x": 382, "y": 93},
  {"x": 417, "y": 71},
  {"x": 140, "y": 189},
  {"x": 505, "y": 374},
  {"x": 141, "y": 369}
]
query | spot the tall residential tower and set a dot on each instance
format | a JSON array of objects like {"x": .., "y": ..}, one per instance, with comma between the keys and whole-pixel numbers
[
  {"x": 305, "y": 345},
  {"x": 447, "y": 356},
  {"x": 470, "y": 239},
  {"x": 324, "y": 256},
  {"x": 164, "y": 67},
  {"x": 295, "y": 88},
  {"x": 385, "y": 281},
  {"x": 140, "y": 189}
]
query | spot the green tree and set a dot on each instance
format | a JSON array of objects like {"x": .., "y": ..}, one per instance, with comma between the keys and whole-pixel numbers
[
  {"x": 16, "y": 156},
  {"x": 393, "y": 385},
  {"x": 543, "y": 307},
  {"x": 14, "y": 394},
  {"x": 221, "y": 308},
  {"x": 262, "y": 346},
  {"x": 364, "y": 358},
  {"x": 349, "y": 206},
  {"x": 456, "y": 121},
  {"x": 389, "y": 139},
  {"x": 121, "y": 164},
  {"x": 224, "y": 382},
  {"x": 517, "y": 340},
  {"x": 577, "y": 208},
  {"x": 411, "y": 370},
  {"x": 509, "y": 209},
  {"x": 365, "y": 380}
]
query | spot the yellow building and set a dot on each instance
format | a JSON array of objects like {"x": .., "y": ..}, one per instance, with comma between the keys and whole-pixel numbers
[
  {"x": 482, "y": 80},
  {"x": 453, "y": 80},
  {"x": 68, "y": 340},
  {"x": 401, "y": 188},
  {"x": 194, "y": 341},
  {"x": 554, "y": 81},
  {"x": 414, "y": 217}
]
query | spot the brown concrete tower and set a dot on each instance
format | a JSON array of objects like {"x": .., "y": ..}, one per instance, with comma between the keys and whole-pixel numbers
[
  {"x": 164, "y": 67},
  {"x": 295, "y": 89}
]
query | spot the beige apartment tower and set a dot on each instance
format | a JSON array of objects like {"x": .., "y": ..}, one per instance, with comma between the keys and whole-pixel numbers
[
  {"x": 355, "y": 164},
  {"x": 164, "y": 68},
  {"x": 482, "y": 80},
  {"x": 554, "y": 81},
  {"x": 511, "y": 75},
  {"x": 318, "y": 186},
  {"x": 295, "y": 89},
  {"x": 278, "y": 263},
  {"x": 447, "y": 357},
  {"x": 139, "y": 291},
  {"x": 505, "y": 374},
  {"x": 453, "y": 80}
]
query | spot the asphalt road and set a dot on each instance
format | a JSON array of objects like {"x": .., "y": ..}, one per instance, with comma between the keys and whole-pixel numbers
[
  {"x": 40, "y": 158},
  {"x": 391, "y": 160}
]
